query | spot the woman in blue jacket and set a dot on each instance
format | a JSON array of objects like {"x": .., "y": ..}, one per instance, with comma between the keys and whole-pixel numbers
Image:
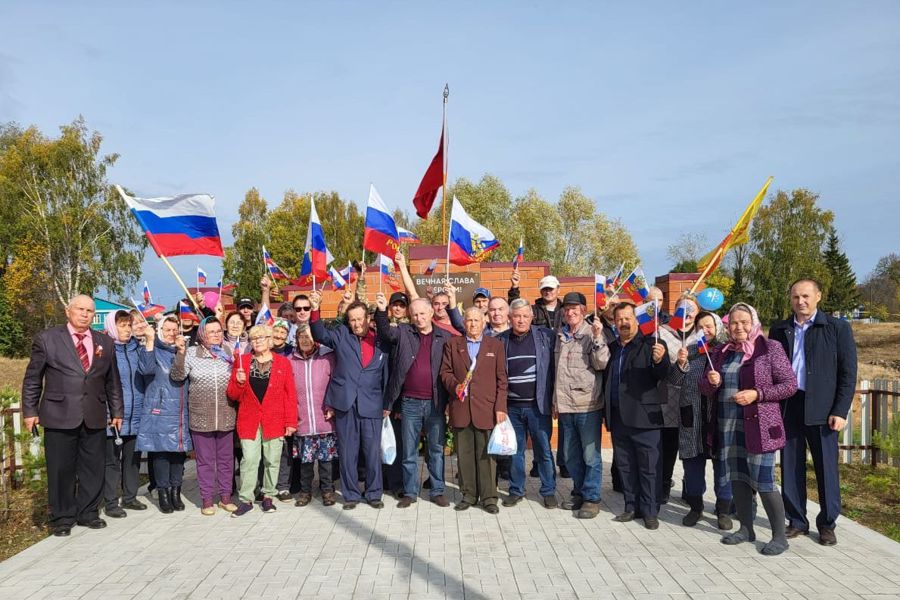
[
  {"x": 123, "y": 462},
  {"x": 164, "y": 424}
]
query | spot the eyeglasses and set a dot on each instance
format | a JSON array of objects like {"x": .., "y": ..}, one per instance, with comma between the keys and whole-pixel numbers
[
  {"x": 303, "y": 308},
  {"x": 259, "y": 339}
]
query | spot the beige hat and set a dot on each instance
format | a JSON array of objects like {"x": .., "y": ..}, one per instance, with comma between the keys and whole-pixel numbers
[{"x": 548, "y": 282}]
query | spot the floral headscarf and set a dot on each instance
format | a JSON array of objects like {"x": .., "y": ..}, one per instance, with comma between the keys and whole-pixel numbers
[
  {"x": 216, "y": 350},
  {"x": 749, "y": 344}
]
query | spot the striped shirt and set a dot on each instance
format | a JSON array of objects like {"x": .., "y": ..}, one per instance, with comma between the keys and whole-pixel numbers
[{"x": 521, "y": 367}]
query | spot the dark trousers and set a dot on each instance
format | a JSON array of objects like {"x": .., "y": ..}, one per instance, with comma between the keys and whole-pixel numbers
[
  {"x": 477, "y": 469},
  {"x": 288, "y": 470},
  {"x": 392, "y": 474},
  {"x": 355, "y": 434},
  {"x": 326, "y": 484},
  {"x": 823, "y": 446},
  {"x": 75, "y": 465},
  {"x": 167, "y": 468},
  {"x": 637, "y": 456},
  {"x": 695, "y": 478},
  {"x": 123, "y": 467},
  {"x": 668, "y": 454},
  {"x": 560, "y": 447}
]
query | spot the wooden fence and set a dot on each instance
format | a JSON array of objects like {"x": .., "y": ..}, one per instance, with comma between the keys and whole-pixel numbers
[{"x": 874, "y": 407}]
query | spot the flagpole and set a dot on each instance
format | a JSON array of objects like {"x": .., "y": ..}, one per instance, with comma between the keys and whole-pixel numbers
[
  {"x": 446, "y": 160},
  {"x": 708, "y": 269},
  {"x": 146, "y": 322},
  {"x": 165, "y": 260},
  {"x": 448, "y": 259}
]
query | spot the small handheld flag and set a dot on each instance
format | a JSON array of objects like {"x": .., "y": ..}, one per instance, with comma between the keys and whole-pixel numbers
[
  {"x": 520, "y": 255},
  {"x": 349, "y": 273},
  {"x": 462, "y": 390},
  {"x": 148, "y": 310},
  {"x": 470, "y": 242},
  {"x": 429, "y": 270},
  {"x": 274, "y": 270},
  {"x": 337, "y": 280},
  {"x": 702, "y": 345},
  {"x": 600, "y": 299},
  {"x": 201, "y": 276},
  {"x": 147, "y": 298},
  {"x": 185, "y": 313},
  {"x": 407, "y": 236},
  {"x": 616, "y": 280},
  {"x": 682, "y": 310},
  {"x": 636, "y": 286},
  {"x": 265, "y": 316},
  {"x": 387, "y": 274},
  {"x": 646, "y": 317}
]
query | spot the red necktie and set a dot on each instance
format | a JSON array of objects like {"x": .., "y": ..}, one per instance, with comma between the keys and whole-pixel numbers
[{"x": 82, "y": 351}]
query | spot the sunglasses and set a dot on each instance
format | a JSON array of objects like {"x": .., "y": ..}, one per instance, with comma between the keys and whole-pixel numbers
[{"x": 303, "y": 308}]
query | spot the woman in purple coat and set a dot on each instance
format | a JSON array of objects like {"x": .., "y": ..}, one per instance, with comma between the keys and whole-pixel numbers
[{"x": 749, "y": 378}]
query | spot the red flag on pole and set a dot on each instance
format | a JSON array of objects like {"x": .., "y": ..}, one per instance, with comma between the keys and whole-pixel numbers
[{"x": 431, "y": 182}]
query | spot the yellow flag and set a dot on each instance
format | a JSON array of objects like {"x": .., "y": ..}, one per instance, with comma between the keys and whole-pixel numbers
[{"x": 739, "y": 234}]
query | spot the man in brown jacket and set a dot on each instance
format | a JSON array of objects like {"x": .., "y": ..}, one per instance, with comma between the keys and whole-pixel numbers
[{"x": 477, "y": 403}]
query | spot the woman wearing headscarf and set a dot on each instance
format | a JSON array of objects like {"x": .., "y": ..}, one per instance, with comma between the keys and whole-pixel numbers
[
  {"x": 749, "y": 377},
  {"x": 164, "y": 422},
  {"x": 123, "y": 463},
  {"x": 677, "y": 339},
  {"x": 263, "y": 386},
  {"x": 695, "y": 412},
  {"x": 207, "y": 368}
]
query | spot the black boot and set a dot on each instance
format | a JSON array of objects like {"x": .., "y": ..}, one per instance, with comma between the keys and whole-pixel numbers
[
  {"x": 696, "y": 504},
  {"x": 175, "y": 497},
  {"x": 165, "y": 502},
  {"x": 723, "y": 516}
]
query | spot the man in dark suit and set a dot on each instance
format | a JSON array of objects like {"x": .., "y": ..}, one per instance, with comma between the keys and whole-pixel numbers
[
  {"x": 823, "y": 356},
  {"x": 482, "y": 406},
  {"x": 72, "y": 389},
  {"x": 634, "y": 415},
  {"x": 356, "y": 394}
]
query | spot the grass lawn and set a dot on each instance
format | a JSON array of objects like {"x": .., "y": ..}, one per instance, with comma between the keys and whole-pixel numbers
[{"x": 23, "y": 520}]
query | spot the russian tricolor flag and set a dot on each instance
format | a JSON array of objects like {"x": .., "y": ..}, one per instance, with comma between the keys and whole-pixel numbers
[
  {"x": 337, "y": 280},
  {"x": 646, "y": 317},
  {"x": 429, "y": 270},
  {"x": 702, "y": 344},
  {"x": 381, "y": 235},
  {"x": 407, "y": 236},
  {"x": 600, "y": 291},
  {"x": 520, "y": 255},
  {"x": 681, "y": 311},
  {"x": 470, "y": 242},
  {"x": 316, "y": 256},
  {"x": 264, "y": 317},
  {"x": 636, "y": 286},
  {"x": 385, "y": 265},
  {"x": 201, "y": 276},
  {"x": 185, "y": 313},
  {"x": 348, "y": 273},
  {"x": 147, "y": 298},
  {"x": 616, "y": 279},
  {"x": 178, "y": 225},
  {"x": 273, "y": 268}
]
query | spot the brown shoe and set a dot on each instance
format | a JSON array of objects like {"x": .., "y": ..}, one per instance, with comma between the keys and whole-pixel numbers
[
  {"x": 588, "y": 510},
  {"x": 441, "y": 501},
  {"x": 405, "y": 502},
  {"x": 329, "y": 498},
  {"x": 303, "y": 499},
  {"x": 827, "y": 537},
  {"x": 792, "y": 532}
]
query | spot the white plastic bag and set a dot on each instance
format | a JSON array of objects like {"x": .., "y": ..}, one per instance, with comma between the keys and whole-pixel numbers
[
  {"x": 503, "y": 439},
  {"x": 388, "y": 442}
]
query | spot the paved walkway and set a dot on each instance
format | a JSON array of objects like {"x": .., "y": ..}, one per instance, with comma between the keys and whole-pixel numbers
[{"x": 427, "y": 552}]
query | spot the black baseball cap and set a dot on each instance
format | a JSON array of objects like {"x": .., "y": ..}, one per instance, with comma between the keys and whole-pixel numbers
[
  {"x": 399, "y": 297},
  {"x": 245, "y": 302},
  {"x": 574, "y": 298}
]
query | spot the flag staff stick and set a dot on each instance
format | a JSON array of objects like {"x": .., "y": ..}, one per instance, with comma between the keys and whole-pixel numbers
[
  {"x": 133, "y": 303},
  {"x": 446, "y": 160},
  {"x": 166, "y": 261},
  {"x": 712, "y": 263}
]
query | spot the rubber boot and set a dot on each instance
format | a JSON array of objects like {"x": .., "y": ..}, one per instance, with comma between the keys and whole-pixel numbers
[{"x": 165, "y": 502}]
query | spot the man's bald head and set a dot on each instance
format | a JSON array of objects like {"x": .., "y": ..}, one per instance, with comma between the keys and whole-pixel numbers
[{"x": 80, "y": 312}]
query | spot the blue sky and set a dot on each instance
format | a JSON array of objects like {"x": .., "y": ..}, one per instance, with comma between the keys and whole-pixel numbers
[{"x": 669, "y": 115}]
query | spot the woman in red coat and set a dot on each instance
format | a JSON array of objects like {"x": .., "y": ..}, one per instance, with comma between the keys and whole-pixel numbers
[{"x": 262, "y": 384}]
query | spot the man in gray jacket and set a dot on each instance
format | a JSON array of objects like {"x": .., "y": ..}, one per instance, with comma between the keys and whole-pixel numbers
[{"x": 581, "y": 357}]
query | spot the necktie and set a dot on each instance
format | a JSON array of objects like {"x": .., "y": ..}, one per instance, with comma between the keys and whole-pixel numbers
[{"x": 82, "y": 352}]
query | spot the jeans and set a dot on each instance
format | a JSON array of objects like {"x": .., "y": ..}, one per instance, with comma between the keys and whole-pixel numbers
[
  {"x": 695, "y": 478},
  {"x": 419, "y": 415},
  {"x": 529, "y": 419},
  {"x": 583, "y": 460}
]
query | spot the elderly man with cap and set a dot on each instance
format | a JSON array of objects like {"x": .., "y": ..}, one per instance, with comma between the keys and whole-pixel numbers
[{"x": 581, "y": 357}]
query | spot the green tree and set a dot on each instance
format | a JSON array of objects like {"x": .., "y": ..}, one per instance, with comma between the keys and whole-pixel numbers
[
  {"x": 80, "y": 234},
  {"x": 842, "y": 294},
  {"x": 787, "y": 241},
  {"x": 243, "y": 261},
  {"x": 537, "y": 223},
  {"x": 881, "y": 290},
  {"x": 686, "y": 252},
  {"x": 737, "y": 261}
]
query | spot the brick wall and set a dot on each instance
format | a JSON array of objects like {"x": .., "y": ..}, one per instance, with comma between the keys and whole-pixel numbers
[{"x": 673, "y": 285}]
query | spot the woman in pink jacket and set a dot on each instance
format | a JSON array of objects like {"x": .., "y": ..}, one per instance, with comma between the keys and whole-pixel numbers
[{"x": 312, "y": 365}]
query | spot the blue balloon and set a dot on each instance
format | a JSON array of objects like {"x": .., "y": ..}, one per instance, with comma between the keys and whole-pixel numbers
[{"x": 710, "y": 299}]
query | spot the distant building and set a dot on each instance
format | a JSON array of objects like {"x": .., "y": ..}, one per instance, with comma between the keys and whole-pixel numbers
[{"x": 104, "y": 307}]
